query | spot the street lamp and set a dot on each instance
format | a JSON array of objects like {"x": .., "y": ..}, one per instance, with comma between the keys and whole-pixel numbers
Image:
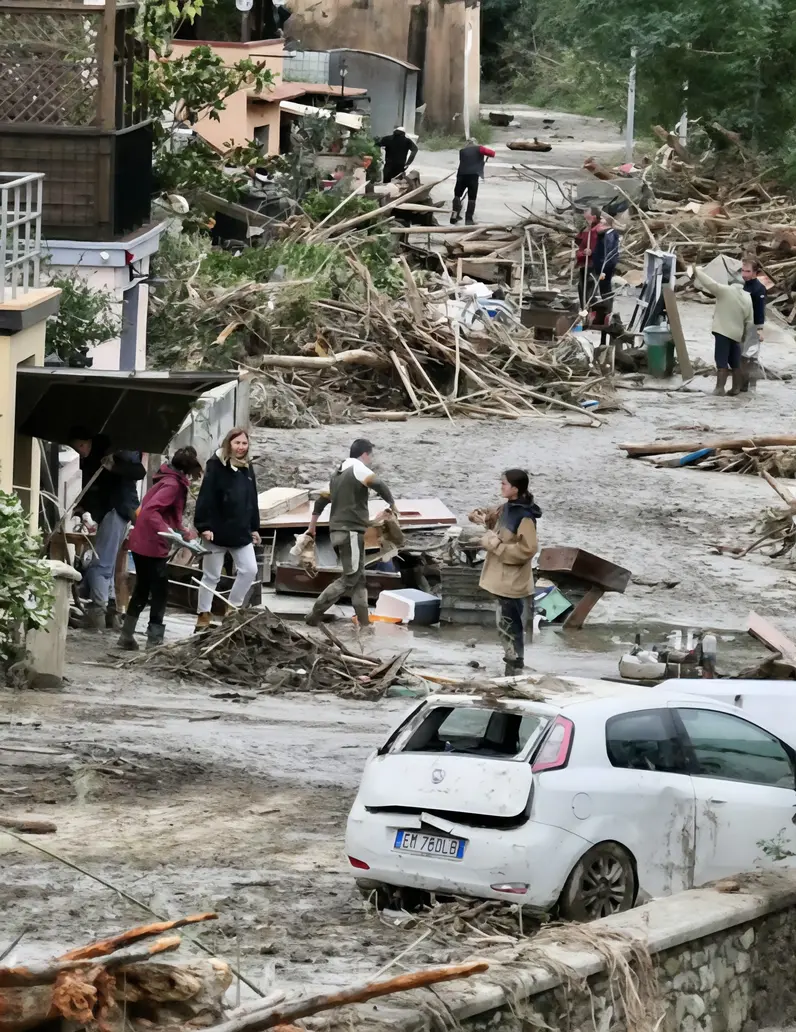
[{"x": 343, "y": 74}]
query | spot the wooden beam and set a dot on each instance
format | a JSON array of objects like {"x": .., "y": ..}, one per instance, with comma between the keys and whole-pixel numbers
[{"x": 676, "y": 326}]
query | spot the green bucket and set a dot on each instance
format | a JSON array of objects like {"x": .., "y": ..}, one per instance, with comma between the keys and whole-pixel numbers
[{"x": 660, "y": 351}]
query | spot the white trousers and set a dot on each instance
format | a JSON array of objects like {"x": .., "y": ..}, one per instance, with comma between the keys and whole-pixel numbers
[{"x": 212, "y": 564}]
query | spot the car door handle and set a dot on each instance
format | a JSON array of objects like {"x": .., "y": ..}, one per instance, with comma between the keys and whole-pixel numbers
[{"x": 717, "y": 802}]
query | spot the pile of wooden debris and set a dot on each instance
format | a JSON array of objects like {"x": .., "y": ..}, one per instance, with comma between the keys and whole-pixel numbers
[
  {"x": 114, "y": 985},
  {"x": 769, "y": 456},
  {"x": 255, "y": 650}
]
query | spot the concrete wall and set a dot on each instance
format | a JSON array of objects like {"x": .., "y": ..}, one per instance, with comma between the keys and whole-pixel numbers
[
  {"x": 114, "y": 281},
  {"x": 239, "y": 119},
  {"x": 391, "y": 88},
  {"x": 383, "y": 27},
  {"x": 215, "y": 413},
  {"x": 20, "y": 460},
  {"x": 716, "y": 961}
]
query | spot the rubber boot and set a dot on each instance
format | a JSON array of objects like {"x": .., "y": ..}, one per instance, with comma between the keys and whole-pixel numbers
[
  {"x": 202, "y": 623},
  {"x": 94, "y": 618},
  {"x": 737, "y": 383},
  {"x": 456, "y": 213},
  {"x": 363, "y": 618},
  {"x": 127, "y": 637},
  {"x": 155, "y": 634},
  {"x": 113, "y": 618},
  {"x": 746, "y": 375},
  {"x": 721, "y": 382},
  {"x": 514, "y": 667},
  {"x": 469, "y": 215}
]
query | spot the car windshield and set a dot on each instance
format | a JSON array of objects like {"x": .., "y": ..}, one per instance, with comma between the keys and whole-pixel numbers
[{"x": 476, "y": 731}]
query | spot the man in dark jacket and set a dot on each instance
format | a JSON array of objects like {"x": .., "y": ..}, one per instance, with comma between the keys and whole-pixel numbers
[
  {"x": 399, "y": 153},
  {"x": 472, "y": 159},
  {"x": 348, "y": 492},
  {"x": 111, "y": 500}
]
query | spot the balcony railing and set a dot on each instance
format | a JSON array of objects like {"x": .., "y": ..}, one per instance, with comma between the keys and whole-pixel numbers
[{"x": 20, "y": 233}]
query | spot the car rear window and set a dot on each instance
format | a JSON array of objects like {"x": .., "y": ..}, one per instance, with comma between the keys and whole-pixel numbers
[{"x": 476, "y": 731}]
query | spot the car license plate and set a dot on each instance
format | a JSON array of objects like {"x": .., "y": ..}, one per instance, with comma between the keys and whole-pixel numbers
[{"x": 429, "y": 845}]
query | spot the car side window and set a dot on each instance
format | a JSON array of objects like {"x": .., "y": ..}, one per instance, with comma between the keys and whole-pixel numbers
[
  {"x": 645, "y": 740},
  {"x": 725, "y": 746}
]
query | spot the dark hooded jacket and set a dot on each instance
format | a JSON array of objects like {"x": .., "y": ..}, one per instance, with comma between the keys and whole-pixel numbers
[
  {"x": 227, "y": 503},
  {"x": 114, "y": 489},
  {"x": 162, "y": 509},
  {"x": 510, "y": 548}
]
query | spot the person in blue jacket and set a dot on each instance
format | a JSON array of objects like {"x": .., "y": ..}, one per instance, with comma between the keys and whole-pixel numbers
[{"x": 605, "y": 256}]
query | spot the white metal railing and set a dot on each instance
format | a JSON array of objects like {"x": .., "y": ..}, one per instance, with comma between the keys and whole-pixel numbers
[{"x": 20, "y": 232}]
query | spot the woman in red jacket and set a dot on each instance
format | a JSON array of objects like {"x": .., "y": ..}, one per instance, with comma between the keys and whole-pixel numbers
[
  {"x": 586, "y": 242},
  {"x": 162, "y": 509}
]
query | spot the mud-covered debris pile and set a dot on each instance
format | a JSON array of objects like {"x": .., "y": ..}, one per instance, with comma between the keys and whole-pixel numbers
[
  {"x": 256, "y": 650},
  {"x": 115, "y": 984}
]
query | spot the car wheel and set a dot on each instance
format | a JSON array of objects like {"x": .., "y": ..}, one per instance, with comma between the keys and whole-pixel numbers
[
  {"x": 385, "y": 897},
  {"x": 602, "y": 882}
]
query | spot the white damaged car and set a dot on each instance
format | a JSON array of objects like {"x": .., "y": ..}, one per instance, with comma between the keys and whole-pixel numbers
[{"x": 596, "y": 798}]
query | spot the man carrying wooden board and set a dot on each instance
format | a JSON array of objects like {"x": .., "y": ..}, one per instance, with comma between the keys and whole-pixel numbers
[{"x": 349, "y": 489}]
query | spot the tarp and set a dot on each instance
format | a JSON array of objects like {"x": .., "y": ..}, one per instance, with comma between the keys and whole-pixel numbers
[{"x": 140, "y": 411}]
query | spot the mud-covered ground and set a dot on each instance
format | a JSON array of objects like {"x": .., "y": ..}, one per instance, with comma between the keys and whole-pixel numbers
[{"x": 245, "y": 812}]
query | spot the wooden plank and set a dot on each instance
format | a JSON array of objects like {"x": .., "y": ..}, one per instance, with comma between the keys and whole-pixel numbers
[
  {"x": 676, "y": 326},
  {"x": 412, "y": 512},
  {"x": 278, "y": 500},
  {"x": 772, "y": 638}
]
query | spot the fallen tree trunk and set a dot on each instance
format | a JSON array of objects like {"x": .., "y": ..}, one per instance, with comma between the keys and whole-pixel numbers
[
  {"x": 256, "y": 1021},
  {"x": 29, "y": 827},
  {"x": 46, "y": 973},
  {"x": 635, "y": 451},
  {"x": 358, "y": 356}
]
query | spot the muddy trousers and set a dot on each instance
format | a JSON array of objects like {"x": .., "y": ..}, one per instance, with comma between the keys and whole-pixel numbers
[
  {"x": 350, "y": 549},
  {"x": 514, "y": 617},
  {"x": 151, "y": 586},
  {"x": 465, "y": 185}
]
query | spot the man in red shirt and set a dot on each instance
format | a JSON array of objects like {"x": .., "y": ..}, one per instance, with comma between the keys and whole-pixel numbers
[{"x": 472, "y": 159}]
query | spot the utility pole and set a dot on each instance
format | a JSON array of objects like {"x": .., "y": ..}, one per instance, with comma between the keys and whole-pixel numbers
[{"x": 630, "y": 121}]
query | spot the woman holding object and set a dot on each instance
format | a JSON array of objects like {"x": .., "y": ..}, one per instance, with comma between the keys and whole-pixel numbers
[
  {"x": 161, "y": 510},
  {"x": 507, "y": 574}
]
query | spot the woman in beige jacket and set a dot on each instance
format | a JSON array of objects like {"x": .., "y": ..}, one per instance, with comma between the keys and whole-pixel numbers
[
  {"x": 732, "y": 320},
  {"x": 507, "y": 574}
]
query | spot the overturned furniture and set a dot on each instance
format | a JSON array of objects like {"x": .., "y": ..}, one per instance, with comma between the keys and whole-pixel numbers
[{"x": 583, "y": 578}]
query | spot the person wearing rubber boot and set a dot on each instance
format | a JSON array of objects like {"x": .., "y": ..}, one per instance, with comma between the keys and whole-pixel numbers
[
  {"x": 507, "y": 574},
  {"x": 162, "y": 510},
  {"x": 732, "y": 319},
  {"x": 228, "y": 518},
  {"x": 750, "y": 351},
  {"x": 349, "y": 489},
  {"x": 472, "y": 160},
  {"x": 112, "y": 499}
]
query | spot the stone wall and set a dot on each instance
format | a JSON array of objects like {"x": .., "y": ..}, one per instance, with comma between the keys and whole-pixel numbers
[{"x": 715, "y": 961}]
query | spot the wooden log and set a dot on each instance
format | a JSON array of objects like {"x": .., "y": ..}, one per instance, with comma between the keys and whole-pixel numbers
[
  {"x": 349, "y": 224},
  {"x": 256, "y": 1021},
  {"x": 674, "y": 142},
  {"x": 434, "y": 230},
  {"x": 104, "y": 946},
  {"x": 635, "y": 451},
  {"x": 45, "y": 973},
  {"x": 787, "y": 496},
  {"x": 28, "y": 826},
  {"x": 358, "y": 356}
]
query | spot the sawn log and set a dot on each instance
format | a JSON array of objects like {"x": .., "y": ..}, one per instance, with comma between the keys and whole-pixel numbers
[{"x": 635, "y": 451}]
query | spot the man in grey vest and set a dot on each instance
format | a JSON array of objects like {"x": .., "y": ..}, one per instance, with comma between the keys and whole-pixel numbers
[
  {"x": 472, "y": 159},
  {"x": 348, "y": 493}
]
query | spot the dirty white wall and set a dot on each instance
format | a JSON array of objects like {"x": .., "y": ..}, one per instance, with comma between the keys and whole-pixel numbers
[{"x": 216, "y": 412}]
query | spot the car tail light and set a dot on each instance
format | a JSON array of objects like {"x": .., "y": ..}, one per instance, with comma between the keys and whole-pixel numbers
[
  {"x": 359, "y": 864},
  {"x": 517, "y": 888},
  {"x": 554, "y": 754}
]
